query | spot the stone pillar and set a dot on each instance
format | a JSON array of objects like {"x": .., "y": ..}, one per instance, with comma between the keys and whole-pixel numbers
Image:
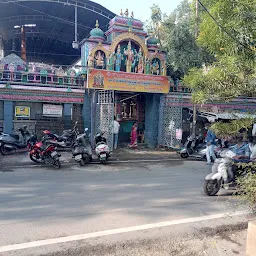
[
  {"x": 8, "y": 116},
  {"x": 67, "y": 115},
  {"x": 118, "y": 106},
  {"x": 87, "y": 110},
  {"x": 151, "y": 119},
  {"x": 251, "y": 239},
  {"x": 1, "y": 48}
]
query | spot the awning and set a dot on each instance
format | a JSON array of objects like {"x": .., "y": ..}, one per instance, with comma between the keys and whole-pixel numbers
[{"x": 226, "y": 116}]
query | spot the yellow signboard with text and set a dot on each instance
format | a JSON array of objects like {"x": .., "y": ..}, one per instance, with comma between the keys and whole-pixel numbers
[
  {"x": 130, "y": 82},
  {"x": 21, "y": 111}
]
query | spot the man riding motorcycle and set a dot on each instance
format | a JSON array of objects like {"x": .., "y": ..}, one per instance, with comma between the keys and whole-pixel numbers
[
  {"x": 242, "y": 150},
  {"x": 225, "y": 169}
]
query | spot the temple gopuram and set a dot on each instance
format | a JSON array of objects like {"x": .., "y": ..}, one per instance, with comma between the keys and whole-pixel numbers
[{"x": 126, "y": 76}]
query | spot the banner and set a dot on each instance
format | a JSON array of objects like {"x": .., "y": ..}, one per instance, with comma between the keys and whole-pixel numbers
[
  {"x": 52, "y": 110},
  {"x": 130, "y": 82},
  {"x": 21, "y": 111}
]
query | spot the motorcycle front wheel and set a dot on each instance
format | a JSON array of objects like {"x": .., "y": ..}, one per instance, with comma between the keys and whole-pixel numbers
[
  {"x": 81, "y": 162},
  {"x": 211, "y": 187},
  {"x": 103, "y": 161},
  {"x": 34, "y": 159},
  {"x": 184, "y": 155},
  {"x": 4, "y": 151},
  {"x": 57, "y": 163}
]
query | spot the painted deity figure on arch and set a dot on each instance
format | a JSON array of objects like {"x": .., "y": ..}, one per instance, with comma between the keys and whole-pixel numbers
[
  {"x": 111, "y": 60},
  {"x": 129, "y": 57},
  {"x": 100, "y": 60},
  {"x": 141, "y": 61},
  {"x": 155, "y": 68},
  {"x": 118, "y": 59}
]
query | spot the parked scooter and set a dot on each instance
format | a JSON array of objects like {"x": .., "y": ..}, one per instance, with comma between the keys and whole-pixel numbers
[
  {"x": 12, "y": 142},
  {"x": 102, "y": 149},
  {"x": 196, "y": 147},
  {"x": 82, "y": 149},
  {"x": 66, "y": 140},
  {"x": 224, "y": 174},
  {"x": 46, "y": 153}
]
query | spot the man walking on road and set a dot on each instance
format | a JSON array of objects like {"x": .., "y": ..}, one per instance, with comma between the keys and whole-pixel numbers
[
  {"x": 115, "y": 132},
  {"x": 211, "y": 142}
]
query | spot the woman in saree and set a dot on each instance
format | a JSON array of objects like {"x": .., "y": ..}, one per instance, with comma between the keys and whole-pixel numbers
[{"x": 133, "y": 137}]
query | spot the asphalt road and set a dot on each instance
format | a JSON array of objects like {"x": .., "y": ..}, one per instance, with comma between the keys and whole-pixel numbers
[{"x": 38, "y": 203}]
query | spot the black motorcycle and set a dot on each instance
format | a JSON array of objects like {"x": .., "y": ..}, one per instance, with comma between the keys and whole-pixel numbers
[
  {"x": 12, "y": 142},
  {"x": 66, "y": 140}
]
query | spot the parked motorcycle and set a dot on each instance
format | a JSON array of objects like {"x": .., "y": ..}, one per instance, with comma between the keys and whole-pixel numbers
[
  {"x": 12, "y": 142},
  {"x": 224, "y": 174},
  {"x": 42, "y": 152},
  {"x": 82, "y": 149},
  {"x": 196, "y": 147},
  {"x": 102, "y": 149},
  {"x": 66, "y": 140}
]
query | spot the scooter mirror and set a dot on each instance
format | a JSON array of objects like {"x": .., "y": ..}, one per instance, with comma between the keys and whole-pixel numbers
[{"x": 86, "y": 129}]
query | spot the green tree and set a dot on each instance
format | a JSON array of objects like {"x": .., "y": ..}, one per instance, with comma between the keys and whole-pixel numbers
[
  {"x": 226, "y": 30},
  {"x": 177, "y": 37}
]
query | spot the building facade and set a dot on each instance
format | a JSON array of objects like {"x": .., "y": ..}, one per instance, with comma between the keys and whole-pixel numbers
[{"x": 122, "y": 74}]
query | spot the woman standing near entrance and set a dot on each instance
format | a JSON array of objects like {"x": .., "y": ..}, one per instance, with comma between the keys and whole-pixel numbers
[{"x": 133, "y": 137}]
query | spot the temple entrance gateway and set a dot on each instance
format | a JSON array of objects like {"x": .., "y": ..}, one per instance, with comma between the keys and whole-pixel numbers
[
  {"x": 129, "y": 63},
  {"x": 130, "y": 108}
]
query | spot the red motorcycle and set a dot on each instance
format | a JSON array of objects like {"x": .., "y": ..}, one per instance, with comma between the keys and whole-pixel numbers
[{"x": 46, "y": 153}]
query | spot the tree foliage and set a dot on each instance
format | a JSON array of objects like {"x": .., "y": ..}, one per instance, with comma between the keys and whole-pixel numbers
[
  {"x": 233, "y": 128},
  {"x": 231, "y": 36},
  {"x": 227, "y": 30},
  {"x": 177, "y": 37},
  {"x": 247, "y": 186}
]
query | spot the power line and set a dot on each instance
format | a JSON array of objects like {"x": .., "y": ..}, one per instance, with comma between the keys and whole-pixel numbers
[{"x": 223, "y": 28}]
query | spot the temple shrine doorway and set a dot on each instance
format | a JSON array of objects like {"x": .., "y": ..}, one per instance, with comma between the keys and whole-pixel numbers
[{"x": 130, "y": 108}]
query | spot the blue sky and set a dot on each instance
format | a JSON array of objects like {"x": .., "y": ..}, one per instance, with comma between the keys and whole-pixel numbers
[{"x": 141, "y": 8}]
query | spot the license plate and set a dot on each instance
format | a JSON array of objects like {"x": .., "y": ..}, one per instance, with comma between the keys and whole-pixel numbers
[
  {"x": 53, "y": 154},
  {"x": 103, "y": 155},
  {"x": 78, "y": 157}
]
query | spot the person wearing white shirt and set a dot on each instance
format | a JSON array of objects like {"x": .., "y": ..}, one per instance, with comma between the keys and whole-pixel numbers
[
  {"x": 116, "y": 132},
  {"x": 254, "y": 130}
]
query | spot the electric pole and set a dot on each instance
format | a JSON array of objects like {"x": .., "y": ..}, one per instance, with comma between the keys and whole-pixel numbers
[
  {"x": 194, "y": 105},
  {"x": 23, "y": 44}
]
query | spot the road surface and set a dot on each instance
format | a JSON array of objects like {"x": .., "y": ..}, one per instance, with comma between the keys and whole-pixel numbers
[{"x": 42, "y": 203}]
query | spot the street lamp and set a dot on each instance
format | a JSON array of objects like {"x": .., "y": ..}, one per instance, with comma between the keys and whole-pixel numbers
[{"x": 23, "y": 39}]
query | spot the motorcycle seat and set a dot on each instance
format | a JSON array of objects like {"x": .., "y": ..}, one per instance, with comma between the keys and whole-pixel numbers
[
  {"x": 45, "y": 147},
  {"x": 15, "y": 136},
  {"x": 59, "y": 138},
  {"x": 101, "y": 143}
]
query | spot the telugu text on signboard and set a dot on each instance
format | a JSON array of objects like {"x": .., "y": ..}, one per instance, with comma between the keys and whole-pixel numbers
[
  {"x": 122, "y": 81},
  {"x": 52, "y": 110}
]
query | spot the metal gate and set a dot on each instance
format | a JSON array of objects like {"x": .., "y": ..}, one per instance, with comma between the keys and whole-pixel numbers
[
  {"x": 104, "y": 116},
  {"x": 170, "y": 121}
]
